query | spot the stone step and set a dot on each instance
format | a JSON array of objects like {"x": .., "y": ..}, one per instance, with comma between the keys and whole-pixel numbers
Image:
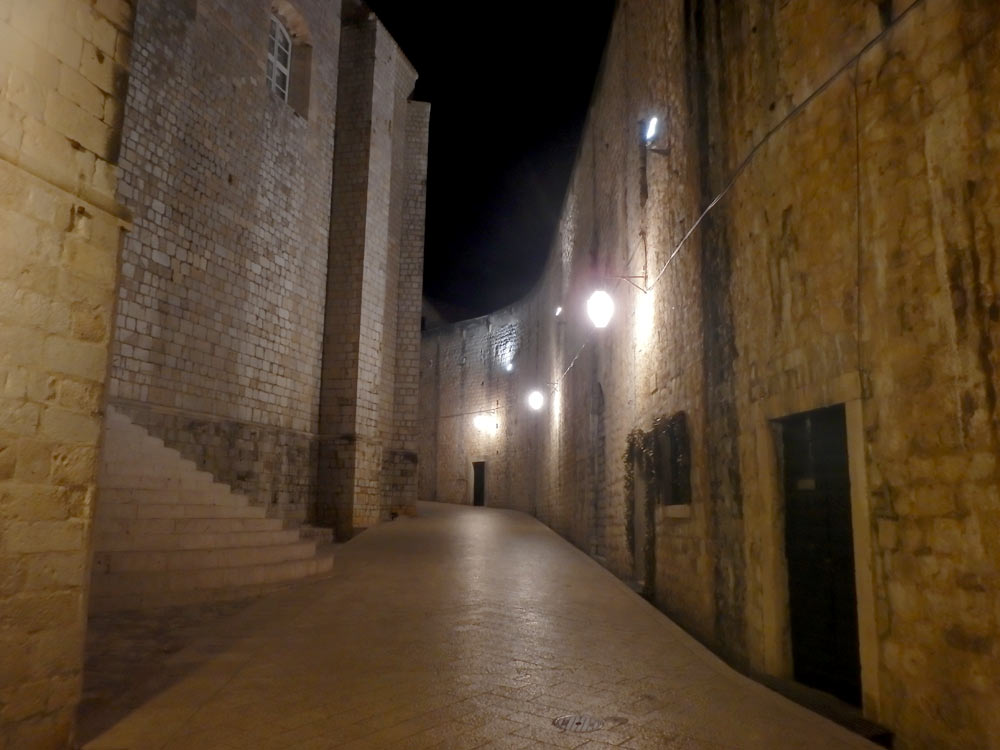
[
  {"x": 167, "y": 533},
  {"x": 195, "y": 561},
  {"x": 135, "y": 527},
  {"x": 177, "y": 510},
  {"x": 110, "y": 602},
  {"x": 169, "y": 539},
  {"x": 212, "y": 495},
  {"x": 149, "y": 585},
  {"x": 135, "y": 442},
  {"x": 148, "y": 480},
  {"x": 319, "y": 534}
]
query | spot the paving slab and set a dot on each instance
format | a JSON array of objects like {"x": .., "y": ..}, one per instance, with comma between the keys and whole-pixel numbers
[{"x": 460, "y": 628}]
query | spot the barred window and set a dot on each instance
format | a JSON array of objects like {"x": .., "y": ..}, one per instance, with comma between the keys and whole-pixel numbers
[{"x": 279, "y": 58}]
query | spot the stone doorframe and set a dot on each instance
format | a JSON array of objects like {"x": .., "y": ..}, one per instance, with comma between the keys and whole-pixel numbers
[{"x": 774, "y": 655}]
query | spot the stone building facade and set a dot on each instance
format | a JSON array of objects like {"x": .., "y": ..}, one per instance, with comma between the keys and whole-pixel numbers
[
  {"x": 61, "y": 95},
  {"x": 268, "y": 287},
  {"x": 211, "y": 258},
  {"x": 803, "y": 261}
]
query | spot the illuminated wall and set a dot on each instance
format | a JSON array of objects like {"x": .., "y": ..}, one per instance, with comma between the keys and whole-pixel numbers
[{"x": 815, "y": 224}]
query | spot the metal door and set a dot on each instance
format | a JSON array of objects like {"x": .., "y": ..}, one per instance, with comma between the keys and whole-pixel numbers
[{"x": 820, "y": 552}]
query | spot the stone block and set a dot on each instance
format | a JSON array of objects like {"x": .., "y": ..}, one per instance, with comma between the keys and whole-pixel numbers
[
  {"x": 100, "y": 69},
  {"x": 25, "y": 93},
  {"x": 32, "y": 537},
  {"x": 65, "y": 117},
  {"x": 36, "y": 502},
  {"x": 33, "y": 461},
  {"x": 79, "y": 396},
  {"x": 17, "y": 417},
  {"x": 35, "y": 612},
  {"x": 24, "y": 700},
  {"x": 81, "y": 92},
  {"x": 118, "y": 12},
  {"x": 75, "y": 358},
  {"x": 8, "y": 458},
  {"x": 51, "y": 570},
  {"x": 63, "y": 42},
  {"x": 48, "y": 732},
  {"x": 74, "y": 466},
  {"x": 70, "y": 427},
  {"x": 52, "y": 148},
  {"x": 95, "y": 28},
  {"x": 15, "y": 667}
]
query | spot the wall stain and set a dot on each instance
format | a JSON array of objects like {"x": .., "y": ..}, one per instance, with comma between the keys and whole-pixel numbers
[{"x": 707, "y": 89}]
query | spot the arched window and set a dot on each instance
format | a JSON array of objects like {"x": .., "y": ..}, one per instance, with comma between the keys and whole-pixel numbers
[
  {"x": 289, "y": 56},
  {"x": 279, "y": 58}
]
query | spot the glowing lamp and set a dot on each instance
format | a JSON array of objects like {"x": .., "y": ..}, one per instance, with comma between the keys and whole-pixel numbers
[
  {"x": 509, "y": 366},
  {"x": 558, "y": 311},
  {"x": 600, "y": 308},
  {"x": 651, "y": 128},
  {"x": 536, "y": 400}
]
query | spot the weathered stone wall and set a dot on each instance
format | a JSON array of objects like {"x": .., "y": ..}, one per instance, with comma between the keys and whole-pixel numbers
[
  {"x": 851, "y": 258},
  {"x": 373, "y": 307},
  {"x": 62, "y": 78},
  {"x": 218, "y": 336},
  {"x": 400, "y": 474}
]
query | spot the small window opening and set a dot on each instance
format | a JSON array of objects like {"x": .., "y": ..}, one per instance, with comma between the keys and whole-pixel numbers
[
  {"x": 289, "y": 56},
  {"x": 672, "y": 460},
  {"x": 279, "y": 58}
]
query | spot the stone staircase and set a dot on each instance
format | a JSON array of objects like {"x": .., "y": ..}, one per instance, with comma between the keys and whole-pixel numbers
[{"x": 168, "y": 534}]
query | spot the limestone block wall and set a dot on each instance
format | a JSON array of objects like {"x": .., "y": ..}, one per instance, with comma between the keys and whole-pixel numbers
[
  {"x": 400, "y": 468},
  {"x": 373, "y": 284},
  {"x": 217, "y": 346},
  {"x": 62, "y": 79},
  {"x": 817, "y": 226}
]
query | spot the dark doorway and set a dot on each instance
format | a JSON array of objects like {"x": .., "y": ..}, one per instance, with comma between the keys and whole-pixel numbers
[
  {"x": 479, "y": 483},
  {"x": 820, "y": 551}
]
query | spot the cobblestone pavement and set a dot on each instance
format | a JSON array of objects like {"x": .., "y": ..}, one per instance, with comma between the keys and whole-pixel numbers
[{"x": 461, "y": 628}]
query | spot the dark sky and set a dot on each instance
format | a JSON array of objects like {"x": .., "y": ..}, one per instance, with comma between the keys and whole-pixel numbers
[{"x": 509, "y": 87}]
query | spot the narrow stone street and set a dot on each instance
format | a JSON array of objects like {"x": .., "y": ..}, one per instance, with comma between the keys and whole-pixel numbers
[{"x": 461, "y": 628}]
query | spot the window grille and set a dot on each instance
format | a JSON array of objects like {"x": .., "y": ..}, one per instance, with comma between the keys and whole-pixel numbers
[{"x": 279, "y": 58}]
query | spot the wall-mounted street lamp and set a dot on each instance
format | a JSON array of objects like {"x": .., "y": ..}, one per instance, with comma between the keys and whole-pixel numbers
[
  {"x": 536, "y": 400},
  {"x": 652, "y": 130},
  {"x": 483, "y": 422},
  {"x": 600, "y": 308}
]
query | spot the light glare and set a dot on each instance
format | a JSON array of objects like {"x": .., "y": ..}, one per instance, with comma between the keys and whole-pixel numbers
[
  {"x": 482, "y": 423},
  {"x": 509, "y": 366},
  {"x": 651, "y": 128},
  {"x": 600, "y": 308},
  {"x": 536, "y": 400},
  {"x": 558, "y": 311}
]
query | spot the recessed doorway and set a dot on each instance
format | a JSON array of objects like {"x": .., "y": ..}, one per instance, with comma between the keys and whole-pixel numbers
[
  {"x": 819, "y": 548},
  {"x": 479, "y": 483}
]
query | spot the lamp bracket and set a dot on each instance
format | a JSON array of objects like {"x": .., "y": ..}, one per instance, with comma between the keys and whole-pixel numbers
[{"x": 630, "y": 280}]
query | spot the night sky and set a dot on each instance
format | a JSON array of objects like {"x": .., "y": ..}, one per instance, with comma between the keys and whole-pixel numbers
[{"x": 509, "y": 87}]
